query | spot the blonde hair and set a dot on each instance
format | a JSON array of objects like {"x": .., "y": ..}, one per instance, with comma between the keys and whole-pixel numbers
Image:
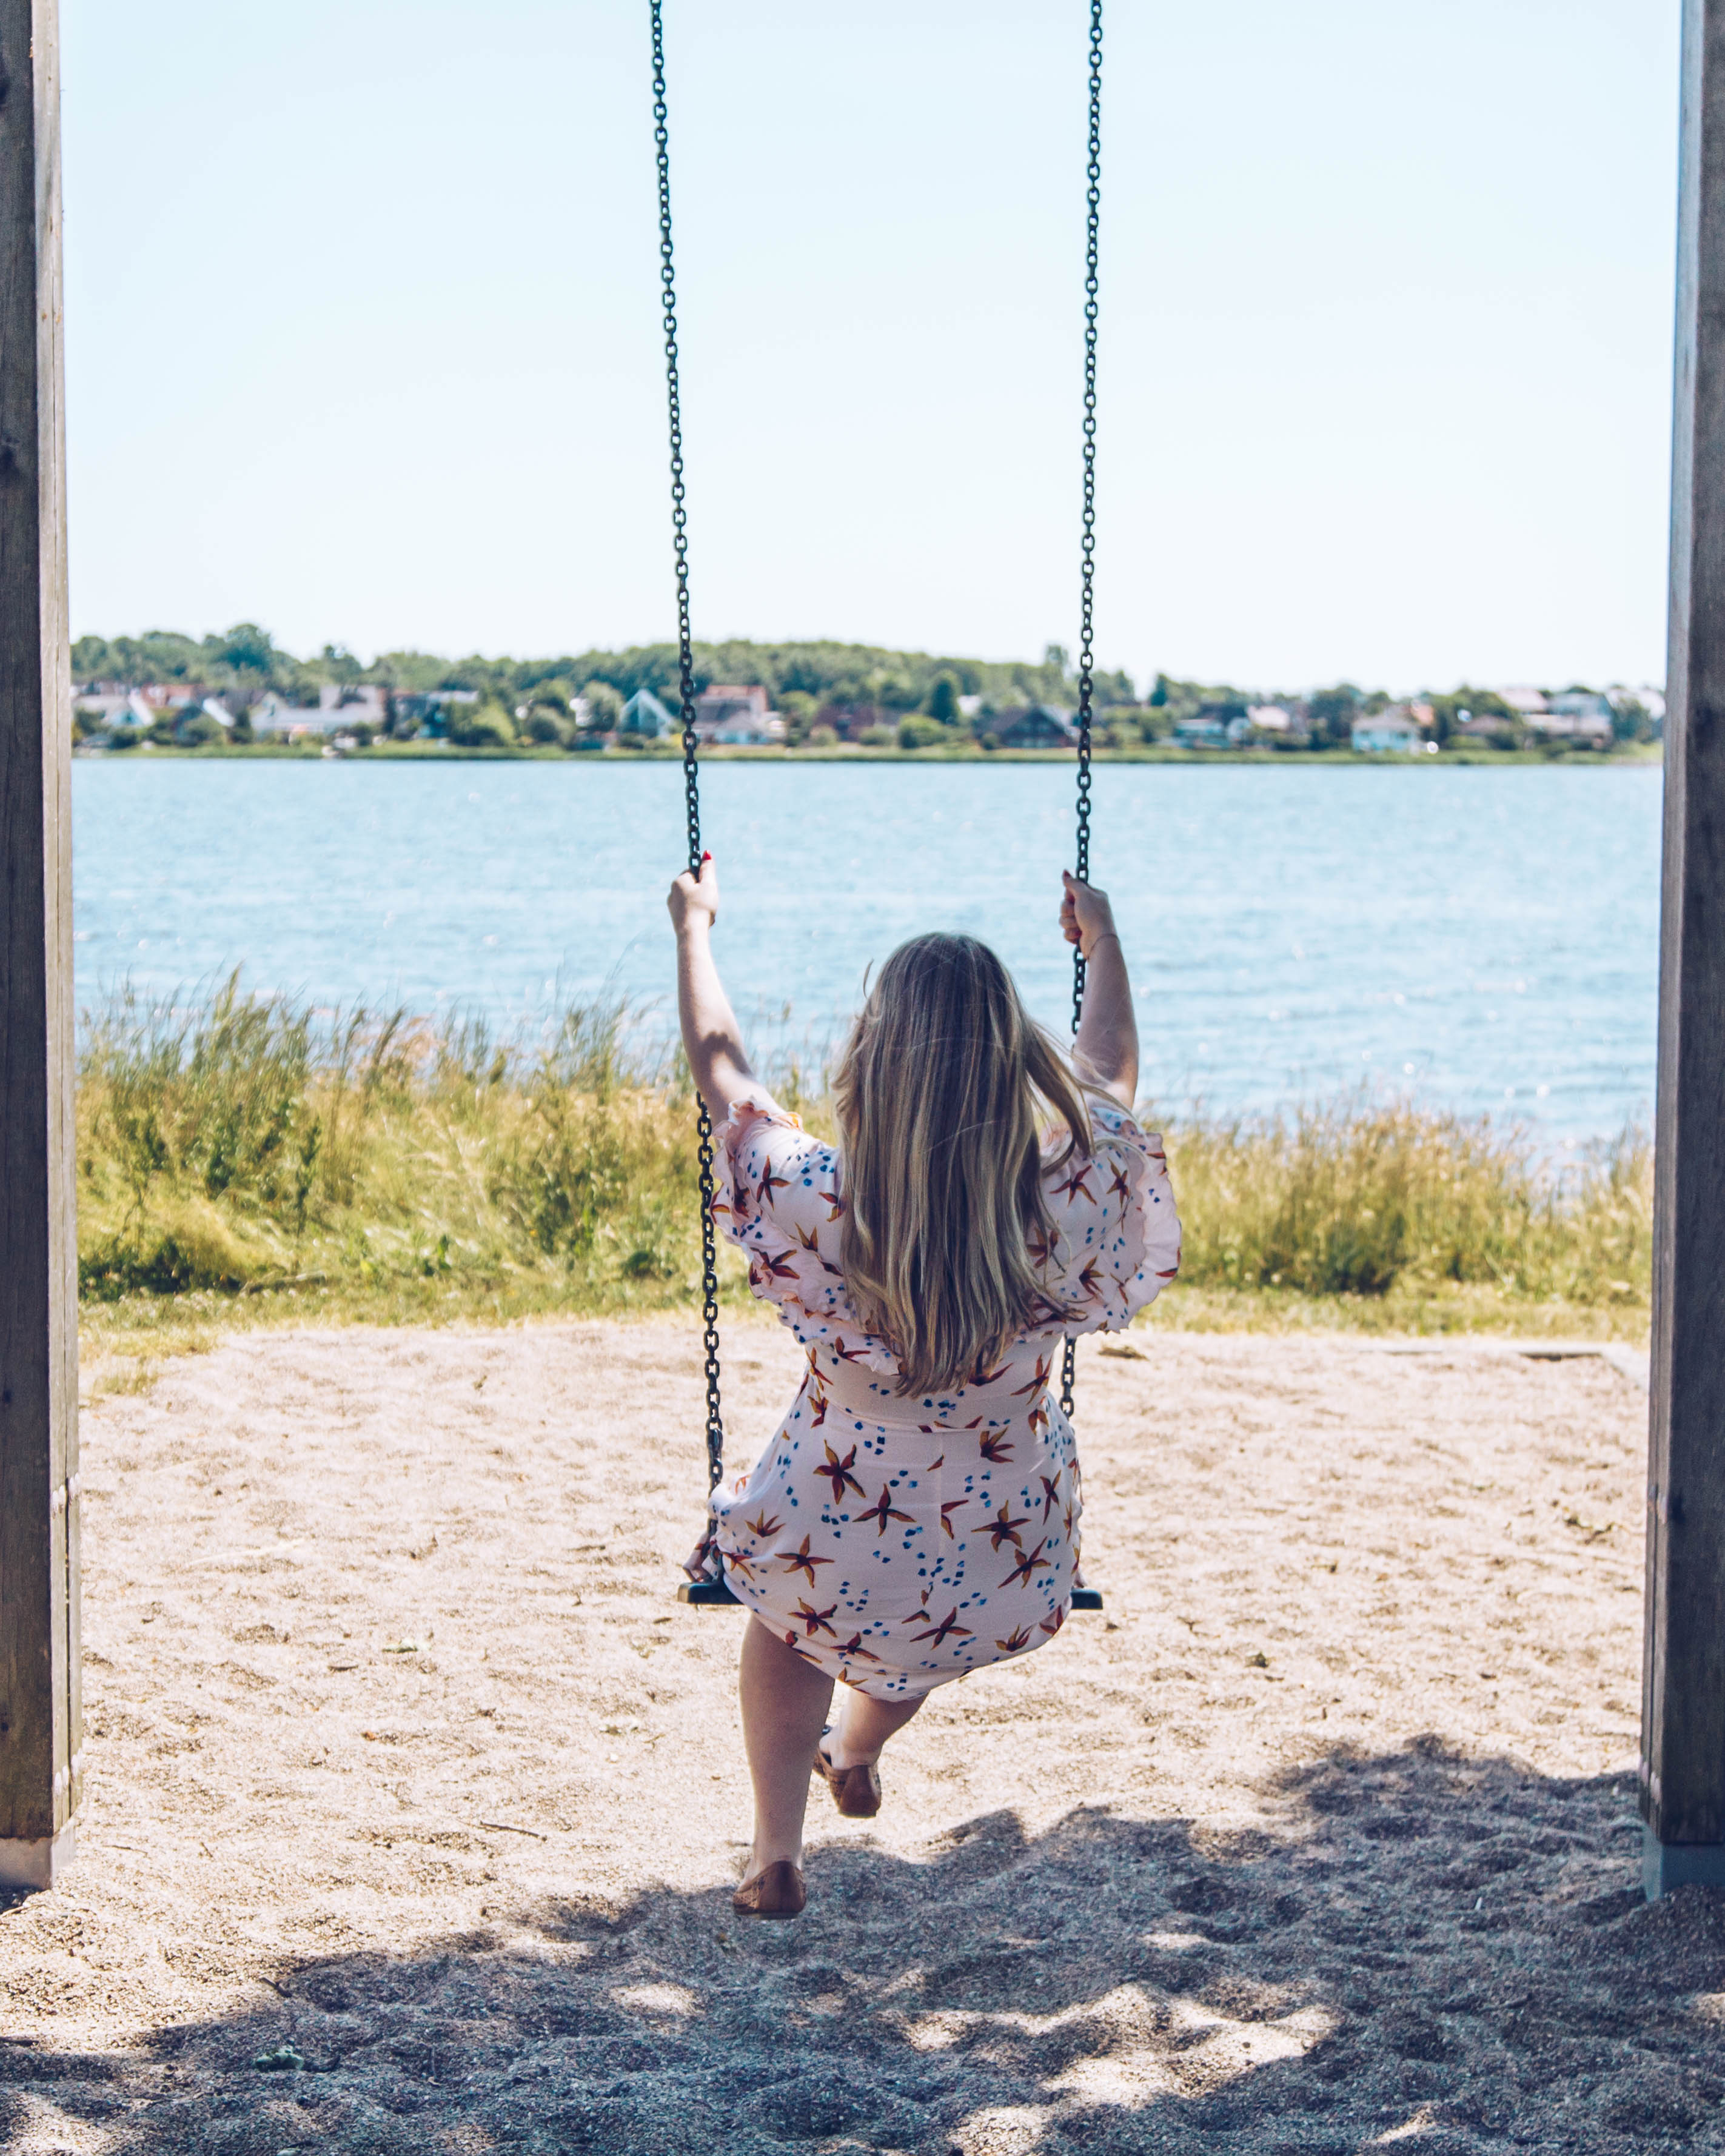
[{"x": 941, "y": 1094}]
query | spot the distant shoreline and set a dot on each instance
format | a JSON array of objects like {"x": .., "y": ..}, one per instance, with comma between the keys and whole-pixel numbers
[{"x": 1640, "y": 756}]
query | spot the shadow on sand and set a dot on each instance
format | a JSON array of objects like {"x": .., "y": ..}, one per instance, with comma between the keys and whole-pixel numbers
[{"x": 1415, "y": 1948}]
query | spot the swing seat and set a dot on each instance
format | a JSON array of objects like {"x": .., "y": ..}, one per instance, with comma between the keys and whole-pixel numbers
[
  {"x": 715, "y": 1595},
  {"x": 708, "y": 1594}
]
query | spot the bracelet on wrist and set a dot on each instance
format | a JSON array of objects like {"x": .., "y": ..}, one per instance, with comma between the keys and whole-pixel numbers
[{"x": 1107, "y": 936}]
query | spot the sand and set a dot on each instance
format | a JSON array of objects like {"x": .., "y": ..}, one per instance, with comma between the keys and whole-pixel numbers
[{"x": 402, "y": 1761}]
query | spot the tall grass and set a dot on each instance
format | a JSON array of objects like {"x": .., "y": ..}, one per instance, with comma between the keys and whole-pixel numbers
[
  {"x": 237, "y": 1148},
  {"x": 1377, "y": 1200}
]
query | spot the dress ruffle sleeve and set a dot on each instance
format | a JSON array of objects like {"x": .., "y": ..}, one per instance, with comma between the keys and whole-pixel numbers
[
  {"x": 779, "y": 1200},
  {"x": 1116, "y": 1239}
]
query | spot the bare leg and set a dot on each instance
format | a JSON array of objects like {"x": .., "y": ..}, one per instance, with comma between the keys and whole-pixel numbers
[
  {"x": 784, "y": 1703},
  {"x": 864, "y": 1727}
]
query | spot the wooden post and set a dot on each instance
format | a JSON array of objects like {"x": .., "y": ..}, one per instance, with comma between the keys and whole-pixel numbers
[
  {"x": 40, "y": 1708},
  {"x": 1682, "y": 1768}
]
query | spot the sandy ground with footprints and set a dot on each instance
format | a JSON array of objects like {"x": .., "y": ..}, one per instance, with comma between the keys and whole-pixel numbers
[{"x": 415, "y": 1803}]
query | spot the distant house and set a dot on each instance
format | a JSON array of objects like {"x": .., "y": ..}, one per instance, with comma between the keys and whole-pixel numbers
[
  {"x": 1394, "y": 732},
  {"x": 109, "y": 706},
  {"x": 1651, "y": 701},
  {"x": 1578, "y": 714},
  {"x": 851, "y": 722},
  {"x": 1205, "y": 730},
  {"x": 430, "y": 709},
  {"x": 358, "y": 704},
  {"x": 1528, "y": 702},
  {"x": 644, "y": 717},
  {"x": 1271, "y": 719},
  {"x": 275, "y": 715},
  {"x": 737, "y": 717},
  {"x": 1039, "y": 726}
]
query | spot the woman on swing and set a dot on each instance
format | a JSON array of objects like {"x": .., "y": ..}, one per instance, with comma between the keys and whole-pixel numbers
[{"x": 915, "y": 1515}]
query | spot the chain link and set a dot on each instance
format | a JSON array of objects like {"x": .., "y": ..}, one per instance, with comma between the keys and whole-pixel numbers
[
  {"x": 1086, "y": 648},
  {"x": 691, "y": 775}
]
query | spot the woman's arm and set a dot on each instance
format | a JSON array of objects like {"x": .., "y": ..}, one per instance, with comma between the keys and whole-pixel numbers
[
  {"x": 1106, "y": 1053},
  {"x": 711, "y": 1038}
]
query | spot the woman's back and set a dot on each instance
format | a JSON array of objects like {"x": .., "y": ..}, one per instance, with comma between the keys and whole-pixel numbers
[
  {"x": 899, "y": 1540},
  {"x": 1111, "y": 1241}
]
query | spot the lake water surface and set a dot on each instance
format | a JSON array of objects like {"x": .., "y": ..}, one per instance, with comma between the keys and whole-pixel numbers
[{"x": 1484, "y": 939}]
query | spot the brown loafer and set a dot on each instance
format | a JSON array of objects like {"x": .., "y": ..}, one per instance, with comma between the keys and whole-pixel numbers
[
  {"x": 856, "y": 1790},
  {"x": 777, "y": 1891}
]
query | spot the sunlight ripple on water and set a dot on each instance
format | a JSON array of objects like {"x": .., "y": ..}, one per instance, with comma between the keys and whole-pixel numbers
[{"x": 1484, "y": 939}]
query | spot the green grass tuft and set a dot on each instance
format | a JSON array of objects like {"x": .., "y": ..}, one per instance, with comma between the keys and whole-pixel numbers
[{"x": 239, "y": 1160}]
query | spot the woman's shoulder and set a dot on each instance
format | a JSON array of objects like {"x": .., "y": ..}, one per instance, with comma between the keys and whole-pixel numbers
[
  {"x": 780, "y": 1196},
  {"x": 777, "y": 1169},
  {"x": 1114, "y": 1131},
  {"x": 1114, "y": 1238}
]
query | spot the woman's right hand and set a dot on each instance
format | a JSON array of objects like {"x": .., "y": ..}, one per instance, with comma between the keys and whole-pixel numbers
[
  {"x": 1086, "y": 915},
  {"x": 693, "y": 898}
]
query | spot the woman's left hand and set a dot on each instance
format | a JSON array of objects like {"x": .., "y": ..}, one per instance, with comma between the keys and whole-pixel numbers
[
  {"x": 693, "y": 898},
  {"x": 1086, "y": 915}
]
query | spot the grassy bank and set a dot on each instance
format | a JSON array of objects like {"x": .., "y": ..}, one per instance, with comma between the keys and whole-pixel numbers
[{"x": 237, "y": 1161}]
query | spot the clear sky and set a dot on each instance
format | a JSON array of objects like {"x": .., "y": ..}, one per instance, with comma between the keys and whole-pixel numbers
[{"x": 363, "y": 336}]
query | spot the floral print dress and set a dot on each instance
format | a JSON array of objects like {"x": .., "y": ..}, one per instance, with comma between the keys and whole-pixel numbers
[{"x": 900, "y": 1542}]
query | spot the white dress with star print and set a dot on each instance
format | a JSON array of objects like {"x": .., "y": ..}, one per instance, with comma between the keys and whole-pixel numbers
[{"x": 900, "y": 1543}]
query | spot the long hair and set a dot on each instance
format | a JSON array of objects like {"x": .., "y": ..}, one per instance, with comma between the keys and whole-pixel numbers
[{"x": 943, "y": 1090}]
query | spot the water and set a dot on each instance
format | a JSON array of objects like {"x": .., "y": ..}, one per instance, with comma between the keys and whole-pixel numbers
[{"x": 1485, "y": 940}]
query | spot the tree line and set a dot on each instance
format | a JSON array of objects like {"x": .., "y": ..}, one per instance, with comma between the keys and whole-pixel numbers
[{"x": 823, "y": 689}]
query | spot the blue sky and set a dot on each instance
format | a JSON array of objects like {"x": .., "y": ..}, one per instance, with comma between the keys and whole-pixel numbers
[{"x": 363, "y": 336}]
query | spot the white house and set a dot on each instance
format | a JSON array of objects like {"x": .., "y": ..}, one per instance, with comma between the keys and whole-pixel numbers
[
  {"x": 1390, "y": 733},
  {"x": 360, "y": 705},
  {"x": 112, "y": 706},
  {"x": 1529, "y": 702},
  {"x": 644, "y": 715},
  {"x": 1578, "y": 714},
  {"x": 1651, "y": 701},
  {"x": 739, "y": 716},
  {"x": 275, "y": 715}
]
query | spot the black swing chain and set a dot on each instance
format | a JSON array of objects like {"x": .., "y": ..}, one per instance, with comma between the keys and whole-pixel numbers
[
  {"x": 692, "y": 776},
  {"x": 685, "y": 658},
  {"x": 1088, "y": 553}
]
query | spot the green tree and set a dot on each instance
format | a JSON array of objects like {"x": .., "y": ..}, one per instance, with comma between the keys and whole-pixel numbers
[
  {"x": 604, "y": 707},
  {"x": 943, "y": 700},
  {"x": 798, "y": 709},
  {"x": 1331, "y": 714},
  {"x": 246, "y": 649},
  {"x": 482, "y": 726}
]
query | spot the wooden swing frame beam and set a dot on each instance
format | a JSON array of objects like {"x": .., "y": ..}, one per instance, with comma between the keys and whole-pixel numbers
[
  {"x": 1682, "y": 1766},
  {"x": 1682, "y": 1760},
  {"x": 41, "y": 1718}
]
